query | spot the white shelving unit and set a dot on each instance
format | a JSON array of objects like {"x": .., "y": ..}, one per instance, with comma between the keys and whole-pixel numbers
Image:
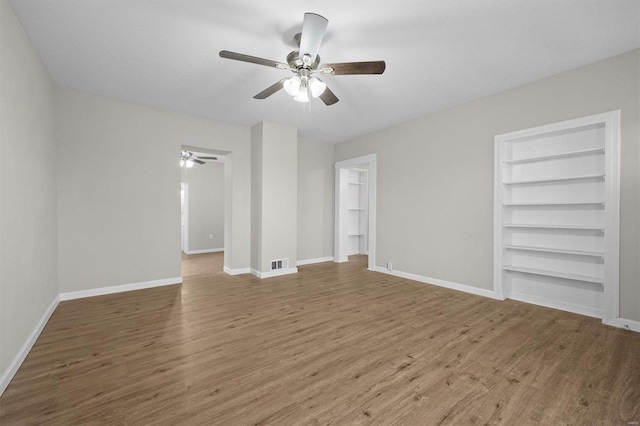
[
  {"x": 556, "y": 215},
  {"x": 357, "y": 211},
  {"x": 351, "y": 209}
]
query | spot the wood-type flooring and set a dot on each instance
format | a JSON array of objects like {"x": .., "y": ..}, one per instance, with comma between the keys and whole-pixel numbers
[{"x": 334, "y": 344}]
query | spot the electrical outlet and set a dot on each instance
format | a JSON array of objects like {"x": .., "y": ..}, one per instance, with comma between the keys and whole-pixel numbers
[{"x": 390, "y": 266}]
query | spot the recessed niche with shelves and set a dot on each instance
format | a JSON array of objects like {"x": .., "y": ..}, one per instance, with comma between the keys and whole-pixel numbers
[
  {"x": 556, "y": 215},
  {"x": 357, "y": 211}
]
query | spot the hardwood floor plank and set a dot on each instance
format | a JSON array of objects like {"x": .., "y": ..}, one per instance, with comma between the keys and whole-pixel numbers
[{"x": 333, "y": 344}]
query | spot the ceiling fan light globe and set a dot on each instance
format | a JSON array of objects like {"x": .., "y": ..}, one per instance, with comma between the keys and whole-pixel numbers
[
  {"x": 302, "y": 96},
  {"x": 292, "y": 85},
  {"x": 317, "y": 87},
  {"x": 190, "y": 164}
]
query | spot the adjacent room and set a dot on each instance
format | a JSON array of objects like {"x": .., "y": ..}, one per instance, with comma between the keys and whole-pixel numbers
[{"x": 320, "y": 212}]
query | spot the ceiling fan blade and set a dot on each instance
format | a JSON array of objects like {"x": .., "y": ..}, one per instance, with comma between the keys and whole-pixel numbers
[
  {"x": 252, "y": 59},
  {"x": 207, "y": 158},
  {"x": 351, "y": 68},
  {"x": 195, "y": 160},
  {"x": 313, "y": 29},
  {"x": 270, "y": 90},
  {"x": 328, "y": 97}
]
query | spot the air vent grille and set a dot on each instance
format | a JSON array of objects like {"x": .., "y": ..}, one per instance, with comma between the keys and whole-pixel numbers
[{"x": 278, "y": 264}]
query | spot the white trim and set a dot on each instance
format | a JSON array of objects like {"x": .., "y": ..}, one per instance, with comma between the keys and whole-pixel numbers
[
  {"x": 214, "y": 250},
  {"x": 275, "y": 273},
  {"x": 555, "y": 304},
  {"x": 625, "y": 323},
  {"x": 498, "y": 240},
  {"x": 371, "y": 160},
  {"x": 440, "y": 283},
  {"x": 185, "y": 227},
  {"x": 312, "y": 261},
  {"x": 17, "y": 361},
  {"x": 238, "y": 271},
  {"x": 119, "y": 288},
  {"x": 612, "y": 216}
]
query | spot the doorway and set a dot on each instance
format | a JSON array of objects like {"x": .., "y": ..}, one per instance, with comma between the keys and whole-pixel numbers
[
  {"x": 355, "y": 209},
  {"x": 202, "y": 205}
]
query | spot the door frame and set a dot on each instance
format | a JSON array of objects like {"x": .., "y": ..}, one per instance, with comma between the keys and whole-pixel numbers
[
  {"x": 185, "y": 212},
  {"x": 341, "y": 189}
]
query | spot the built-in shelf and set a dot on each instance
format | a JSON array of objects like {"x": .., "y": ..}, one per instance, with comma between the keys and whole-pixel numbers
[
  {"x": 557, "y": 179},
  {"x": 554, "y": 250},
  {"x": 552, "y": 204},
  {"x": 569, "y": 227},
  {"x": 577, "y": 153},
  {"x": 554, "y": 274},
  {"x": 357, "y": 213},
  {"x": 556, "y": 208}
]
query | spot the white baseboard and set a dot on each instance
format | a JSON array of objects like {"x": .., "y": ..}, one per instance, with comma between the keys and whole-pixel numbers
[
  {"x": 312, "y": 261},
  {"x": 119, "y": 288},
  {"x": 237, "y": 271},
  {"x": 563, "y": 306},
  {"x": 17, "y": 361},
  {"x": 275, "y": 273},
  {"x": 625, "y": 323},
  {"x": 441, "y": 283},
  {"x": 215, "y": 250}
]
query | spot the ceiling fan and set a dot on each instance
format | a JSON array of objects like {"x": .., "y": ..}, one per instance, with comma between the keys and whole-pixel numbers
[
  {"x": 305, "y": 62},
  {"x": 188, "y": 159}
]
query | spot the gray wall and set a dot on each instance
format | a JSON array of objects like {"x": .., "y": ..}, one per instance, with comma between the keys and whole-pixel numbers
[
  {"x": 435, "y": 174},
  {"x": 256, "y": 196},
  {"x": 119, "y": 186},
  {"x": 206, "y": 205},
  {"x": 316, "y": 175},
  {"x": 275, "y": 198},
  {"x": 28, "y": 253}
]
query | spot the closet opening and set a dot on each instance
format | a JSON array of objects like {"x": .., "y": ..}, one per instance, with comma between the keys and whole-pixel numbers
[{"x": 355, "y": 209}]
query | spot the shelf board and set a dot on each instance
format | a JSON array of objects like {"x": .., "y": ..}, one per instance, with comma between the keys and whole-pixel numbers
[
  {"x": 572, "y": 203},
  {"x": 558, "y": 179},
  {"x": 571, "y": 227},
  {"x": 356, "y": 209},
  {"x": 555, "y": 156},
  {"x": 355, "y": 235},
  {"x": 554, "y": 274},
  {"x": 356, "y": 183},
  {"x": 554, "y": 250}
]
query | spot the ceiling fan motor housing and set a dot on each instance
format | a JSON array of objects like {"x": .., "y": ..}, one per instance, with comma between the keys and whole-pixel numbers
[{"x": 296, "y": 62}]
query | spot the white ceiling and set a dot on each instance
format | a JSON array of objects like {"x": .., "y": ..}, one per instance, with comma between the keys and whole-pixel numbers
[{"x": 439, "y": 53}]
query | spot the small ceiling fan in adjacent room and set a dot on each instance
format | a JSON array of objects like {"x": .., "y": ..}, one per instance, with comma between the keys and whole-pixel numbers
[
  {"x": 188, "y": 159},
  {"x": 305, "y": 63}
]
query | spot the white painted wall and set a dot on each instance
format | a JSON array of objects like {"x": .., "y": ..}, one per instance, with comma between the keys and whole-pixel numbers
[
  {"x": 275, "y": 177},
  {"x": 28, "y": 234},
  {"x": 119, "y": 186},
  {"x": 435, "y": 174},
  {"x": 206, "y": 205},
  {"x": 315, "y": 200}
]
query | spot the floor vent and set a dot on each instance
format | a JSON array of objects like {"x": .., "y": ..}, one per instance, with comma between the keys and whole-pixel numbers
[{"x": 279, "y": 264}]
